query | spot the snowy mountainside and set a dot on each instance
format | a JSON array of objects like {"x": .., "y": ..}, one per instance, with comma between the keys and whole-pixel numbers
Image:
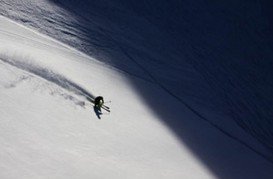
[
  {"x": 181, "y": 92},
  {"x": 213, "y": 56},
  {"x": 48, "y": 129}
]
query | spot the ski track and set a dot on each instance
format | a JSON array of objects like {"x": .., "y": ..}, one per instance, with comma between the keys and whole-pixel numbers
[{"x": 49, "y": 76}]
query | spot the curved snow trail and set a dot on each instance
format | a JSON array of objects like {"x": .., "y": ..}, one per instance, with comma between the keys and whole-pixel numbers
[{"x": 50, "y": 76}]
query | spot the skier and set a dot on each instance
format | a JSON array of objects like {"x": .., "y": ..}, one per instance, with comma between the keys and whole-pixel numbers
[{"x": 98, "y": 102}]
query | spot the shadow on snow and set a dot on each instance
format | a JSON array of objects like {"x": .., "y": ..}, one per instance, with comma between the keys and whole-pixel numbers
[{"x": 215, "y": 54}]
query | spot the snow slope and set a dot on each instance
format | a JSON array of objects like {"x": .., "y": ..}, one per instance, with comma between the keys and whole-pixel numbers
[
  {"x": 49, "y": 130},
  {"x": 212, "y": 55}
]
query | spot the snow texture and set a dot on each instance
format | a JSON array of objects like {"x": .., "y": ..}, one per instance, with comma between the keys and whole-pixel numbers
[{"x": 190, "y": 84}]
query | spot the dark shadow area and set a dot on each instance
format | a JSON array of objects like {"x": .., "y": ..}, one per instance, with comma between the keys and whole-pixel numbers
[
  {"x": 97, "y": 112},
  {"x": 96, "y": 109},
  {"x": 215, "y": 54}
]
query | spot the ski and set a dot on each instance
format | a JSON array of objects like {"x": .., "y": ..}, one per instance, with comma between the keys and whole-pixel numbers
[{"x": 106, "y": 108}]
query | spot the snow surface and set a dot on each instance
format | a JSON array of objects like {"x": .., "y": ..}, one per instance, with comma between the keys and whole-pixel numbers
[
  {"x": 48, "y": 132},
  {"x": 160, "y": 125}
]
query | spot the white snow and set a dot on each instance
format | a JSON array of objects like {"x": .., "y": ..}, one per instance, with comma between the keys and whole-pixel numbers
[
  {"x": 47, "y": 132},
  {"x": 48, "y": 129}
]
